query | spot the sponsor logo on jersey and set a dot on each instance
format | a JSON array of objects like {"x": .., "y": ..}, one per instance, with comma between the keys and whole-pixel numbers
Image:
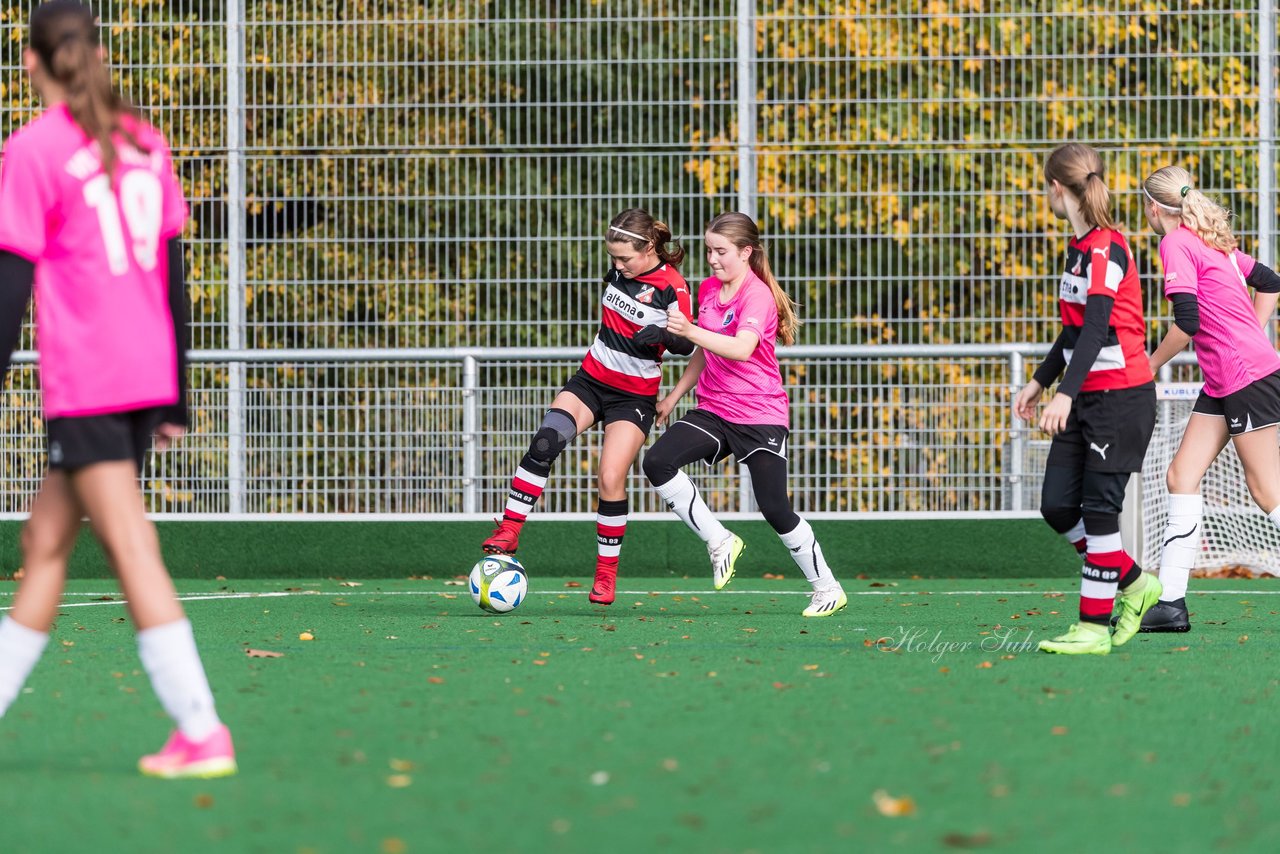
[
  {"x": 752, "y": 321},
  {"x": 1099, "y": 251},
  {"x": 645, "y": 296},
  {"x": 1171, "y": 277},
  {"x": 1075, "y": 271},
  {"x": 618, "y": 301},
  {"x": 728, "y": 318}
]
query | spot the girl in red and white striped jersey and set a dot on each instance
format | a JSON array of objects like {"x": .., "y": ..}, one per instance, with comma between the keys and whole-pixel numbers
[
  {"x": 617, "y": 384},
  {"x": 1104, "y": 410}
]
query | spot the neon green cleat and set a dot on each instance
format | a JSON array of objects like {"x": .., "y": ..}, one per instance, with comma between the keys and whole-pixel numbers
[
  {"x": 1080, "y": 639},
  {"x": 1135, "y": 602},
  {"x": 723, "y": 556},
  {"x": 824, "y": 603}
]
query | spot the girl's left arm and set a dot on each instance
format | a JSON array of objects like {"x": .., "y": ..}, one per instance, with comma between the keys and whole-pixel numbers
[{"x": 735, "y": 347}]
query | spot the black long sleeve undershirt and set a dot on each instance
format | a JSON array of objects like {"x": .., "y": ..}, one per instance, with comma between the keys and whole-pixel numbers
[
  {"x": 1186, "y": 313},
  {"x": 17, "y": 275},
  {"x": 1093, "y": 335},
  {"x": 180, "y": 312},
  {"x": 1262, "y": 278}
]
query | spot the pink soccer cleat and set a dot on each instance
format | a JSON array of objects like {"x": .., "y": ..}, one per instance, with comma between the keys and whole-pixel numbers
[{"x": 183, "y": 759}]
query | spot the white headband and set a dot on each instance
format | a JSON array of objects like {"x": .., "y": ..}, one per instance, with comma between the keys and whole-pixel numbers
[
  {"x": 628, "y": 233},
  {"x": 1169, "y": 208}
]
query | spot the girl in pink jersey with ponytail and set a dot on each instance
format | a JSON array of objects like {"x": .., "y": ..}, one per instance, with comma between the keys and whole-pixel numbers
[
  {"x": 742, "y": 407},
  {"x": 1208, "y": 279},
  {"x": 91, "y": 212}
]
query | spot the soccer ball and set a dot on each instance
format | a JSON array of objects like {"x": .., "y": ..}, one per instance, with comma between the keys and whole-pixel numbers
[{"x": 498, "y": 583}]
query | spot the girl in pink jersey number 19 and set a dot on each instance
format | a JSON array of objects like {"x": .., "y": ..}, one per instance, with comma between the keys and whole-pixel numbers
[
  {"x": 617, "y": 384},
  {"x": 742, "y": 407},
  {"x": 91, "y": 210},
  {"x": 1104, "y": 410},
  {"x": 1207, "y": 279}
]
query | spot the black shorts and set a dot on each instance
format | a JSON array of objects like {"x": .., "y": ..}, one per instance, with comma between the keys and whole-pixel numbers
[
  {"x": 1107, "y": 431},
  {"x": 741, "y": 440},
  {"x": 1253, "y": 407},
  {"x": 608, "y": 404},
  {"x": 80, "y": 441}
]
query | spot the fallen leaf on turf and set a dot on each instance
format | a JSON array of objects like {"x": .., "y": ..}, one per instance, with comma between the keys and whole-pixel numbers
[
  {"x": 436, "y": 680},
  {"x": 455, "y": 583},
  {"x": 773, "y": 576},
  {"x": 351, "y": 584},
  {"x": 1181, "y": 799},
  {"x": 986, "y": 665},
  {"x": 1180, "y": 649},
  {"x": 967, "y": 840},
  {"x": 539, "y": 661},
  {"x": 573, "y": 584},
  {"x": 204, "y": 801},
  {"x": 811, "y": 667},
  {"x": 670, "y": 764},
  {"x": 781, "y": 686},
  {"x": 401, "y": 765},
  {"x": 306, "y": 636},
  {"x": 1059, "y": 730},
  {"x": 893, "y": 807},
  {"x": 1244, "y": 638},
  {"x": 263, "y": 653},
  {"x": 393, "y": 846},
  {"x": 399, "y": 781}
]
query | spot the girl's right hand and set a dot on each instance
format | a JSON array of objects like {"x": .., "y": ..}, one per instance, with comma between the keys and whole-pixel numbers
[
  {"x": 1024, "y": 405},
  {"x": 665, "y": 406}
]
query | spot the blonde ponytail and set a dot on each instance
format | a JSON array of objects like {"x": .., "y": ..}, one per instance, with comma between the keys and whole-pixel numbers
[{"x": 1170, "y": 188}]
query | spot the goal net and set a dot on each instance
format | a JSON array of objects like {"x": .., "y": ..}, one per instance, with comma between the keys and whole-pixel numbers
[{"x": 1235, "y": 533}]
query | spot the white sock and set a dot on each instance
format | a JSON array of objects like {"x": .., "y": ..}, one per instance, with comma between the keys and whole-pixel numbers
[
  {"x": 807, "y": 554},
  {"x": 1076, "y": 534},
  {"x": 20, "y": 649},
  {"x": 682, "y": 497},
  {"x": 170, "y": 658},
  {"x": 1181, "y": 544}
]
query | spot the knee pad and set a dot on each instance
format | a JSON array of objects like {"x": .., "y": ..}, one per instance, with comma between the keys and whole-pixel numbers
[
  {"x": 557, "y": 431},
  {"x": 1061, "y": 519}
]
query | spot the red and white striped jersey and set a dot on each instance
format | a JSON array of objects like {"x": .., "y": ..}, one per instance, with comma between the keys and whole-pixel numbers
[
  {"x": 1101, "y": 263},
  {"x": 629, "y": 304}
]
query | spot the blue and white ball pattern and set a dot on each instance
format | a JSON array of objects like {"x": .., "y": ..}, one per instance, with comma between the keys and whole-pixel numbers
[{"x": 498, "y": 583}]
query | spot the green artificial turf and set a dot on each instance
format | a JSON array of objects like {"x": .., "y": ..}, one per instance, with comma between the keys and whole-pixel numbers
[{"x": 685, "y": 721}]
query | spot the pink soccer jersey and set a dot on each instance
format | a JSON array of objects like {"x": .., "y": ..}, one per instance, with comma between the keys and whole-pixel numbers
[
  {"x": 747, "y": 392},
  {"x": 1232, "y": 347},
  {"x": 103, "y": 325}
]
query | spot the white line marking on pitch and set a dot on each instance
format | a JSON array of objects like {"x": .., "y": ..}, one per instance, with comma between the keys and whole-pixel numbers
[{"x": 278, "y": 594}]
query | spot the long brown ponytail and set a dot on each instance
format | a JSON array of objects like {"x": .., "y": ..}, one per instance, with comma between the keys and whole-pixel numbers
[
  {"x": 64, "y": 36},
  {"x": 1079, "y": 168},
  {"x": 739, "y": 230}
]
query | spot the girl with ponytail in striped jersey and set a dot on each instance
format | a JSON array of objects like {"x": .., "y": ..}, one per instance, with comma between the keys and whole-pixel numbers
[{"x": 617, "y": 384}]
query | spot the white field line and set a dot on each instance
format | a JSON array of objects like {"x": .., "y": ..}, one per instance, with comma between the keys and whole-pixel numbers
[{"x": 278, "y": 594}]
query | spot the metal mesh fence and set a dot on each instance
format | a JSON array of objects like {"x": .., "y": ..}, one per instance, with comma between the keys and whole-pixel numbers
[{"x": 433, "y": 173}]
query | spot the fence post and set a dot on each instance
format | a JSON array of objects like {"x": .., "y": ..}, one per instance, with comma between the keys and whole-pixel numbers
[
  {"x": 1017, "y": 435},
  {"x": 470, "y": 438},
  {"x": 235, "y": 207},
  {"x": 747, "y": 107}
]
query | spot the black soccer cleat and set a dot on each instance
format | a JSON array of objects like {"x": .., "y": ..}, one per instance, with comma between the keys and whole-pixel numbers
[{"x": 1166, "y": 617}]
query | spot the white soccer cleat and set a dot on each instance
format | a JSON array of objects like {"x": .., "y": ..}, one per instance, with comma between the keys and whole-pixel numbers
[
  {"x": 826, "y": 602},
  {"x": 723, "y": 557}
]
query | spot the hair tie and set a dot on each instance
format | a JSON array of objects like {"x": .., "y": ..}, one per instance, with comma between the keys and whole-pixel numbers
[
  {"x": 1097, "y": 175},
  {"x": 1183, "y": 191}
]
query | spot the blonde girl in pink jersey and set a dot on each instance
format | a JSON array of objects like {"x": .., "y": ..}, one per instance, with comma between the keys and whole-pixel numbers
[
  {"x": 91, "y": 212},
  {"x": 742, "y": 407},
  {"x": 1208, "y": 279}
]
